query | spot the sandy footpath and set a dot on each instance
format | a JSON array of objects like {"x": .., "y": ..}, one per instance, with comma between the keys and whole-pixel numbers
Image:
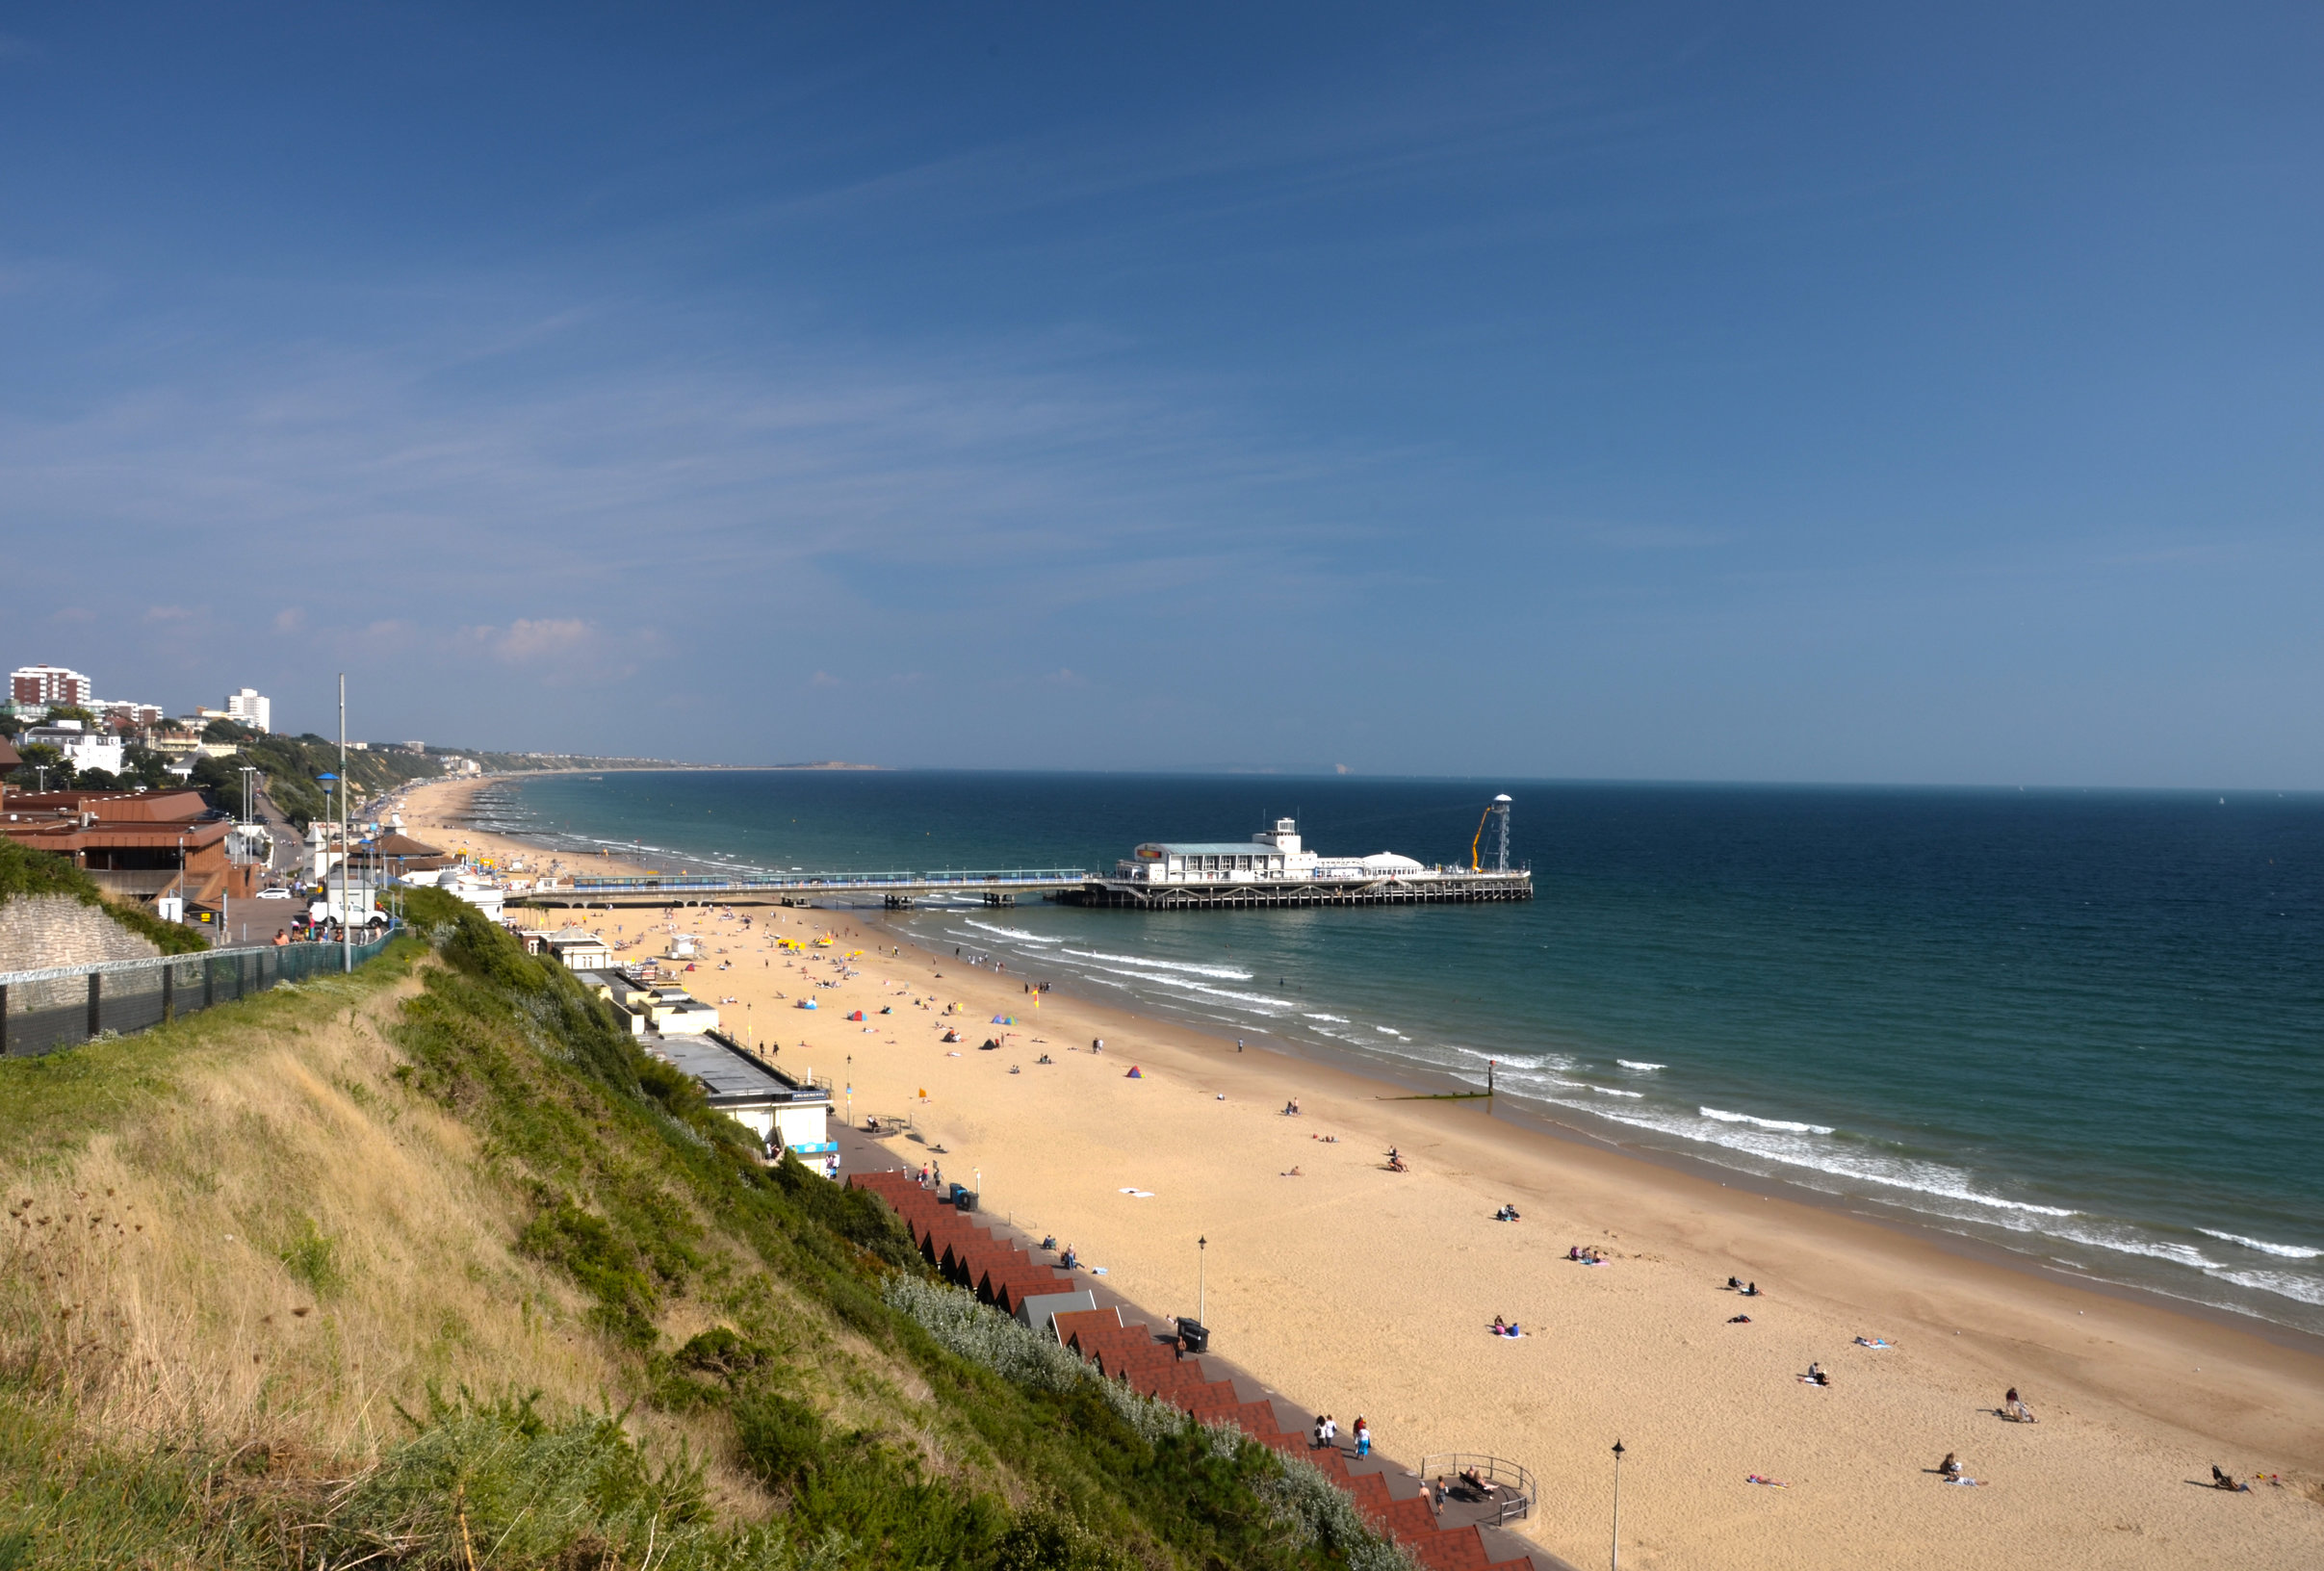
[{"x": 1361, "y": 1291}]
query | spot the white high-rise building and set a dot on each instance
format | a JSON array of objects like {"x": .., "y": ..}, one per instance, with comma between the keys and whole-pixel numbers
[{"x": 253, "y": 711}]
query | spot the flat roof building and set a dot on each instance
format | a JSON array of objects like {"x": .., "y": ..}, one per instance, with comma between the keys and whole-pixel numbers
[{"x": 50, "y": 685}]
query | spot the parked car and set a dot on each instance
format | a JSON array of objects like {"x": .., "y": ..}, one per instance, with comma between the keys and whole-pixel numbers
[{"x": 273, "y": 894}]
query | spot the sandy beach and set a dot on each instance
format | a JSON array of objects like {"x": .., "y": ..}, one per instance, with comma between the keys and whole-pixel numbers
[
  {"x": 436, "y": 812},
  {"x": 1362, "y": 1291},
  {"x": 1359, "y": 1290}
]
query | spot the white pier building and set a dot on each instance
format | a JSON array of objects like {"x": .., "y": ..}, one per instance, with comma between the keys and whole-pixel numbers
[{"x": 1275, "y": 868}]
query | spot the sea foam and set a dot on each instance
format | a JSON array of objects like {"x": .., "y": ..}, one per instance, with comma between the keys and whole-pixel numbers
[
  {"x": 1225, "y": 973},
  {"x": 2290, "y": 1251},
  {"x": 1783, "y": 1125}
]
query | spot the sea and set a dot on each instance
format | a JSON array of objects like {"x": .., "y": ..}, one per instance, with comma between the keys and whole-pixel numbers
[{"x": 2086, "y": 1028}]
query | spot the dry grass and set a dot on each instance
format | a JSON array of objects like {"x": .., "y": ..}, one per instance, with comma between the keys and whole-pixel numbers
[{"x": 284, "y": 1246}]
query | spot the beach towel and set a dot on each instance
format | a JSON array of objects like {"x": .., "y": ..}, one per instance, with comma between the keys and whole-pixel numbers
[
  {"x": 1878, "y": 1344},
  {"x": 1138, "y": 1194}
]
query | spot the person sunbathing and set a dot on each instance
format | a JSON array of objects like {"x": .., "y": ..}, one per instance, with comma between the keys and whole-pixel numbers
[
  {"x": 1294, "y": 1173},
  {"x": 2227, "y": 1480},
  {"x": 1751, "y": 1292},
  {"x": 1739, "y": 1320},
  {"x": 2014, "y": 1408},
  {"x": 1817, "y": 1376},
  {"x": 1395, "y": 1164},
  {"x": 1734, "y": 1284},
  {"x": 1950, "y": 1466}
]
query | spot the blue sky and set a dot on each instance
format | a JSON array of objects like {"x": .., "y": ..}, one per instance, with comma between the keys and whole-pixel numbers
[{"x": 1526, "y": 389}]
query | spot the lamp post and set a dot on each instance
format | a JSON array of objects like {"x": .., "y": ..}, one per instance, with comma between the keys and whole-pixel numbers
[
  {"x": 346, "y": 933},
  {"x": 1613, "y": 1557},
  {"x": 1202, "y": 1250}
]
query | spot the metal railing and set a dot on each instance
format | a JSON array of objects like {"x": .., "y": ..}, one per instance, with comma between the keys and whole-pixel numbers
[
  {"x": 962, "y": 877},
  {"x": 1512, "y": 1494},
  {"x": 64, "y": 1006}
]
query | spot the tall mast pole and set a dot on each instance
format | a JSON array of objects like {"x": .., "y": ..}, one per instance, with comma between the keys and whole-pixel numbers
[{"x": 347, "y": 915}]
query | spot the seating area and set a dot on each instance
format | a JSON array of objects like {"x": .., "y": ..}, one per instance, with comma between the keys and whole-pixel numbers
[{"x": 1004, "y": 1274}]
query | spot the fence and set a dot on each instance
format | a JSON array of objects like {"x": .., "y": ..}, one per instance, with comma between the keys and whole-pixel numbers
[{"x": 67, "y": 1005}]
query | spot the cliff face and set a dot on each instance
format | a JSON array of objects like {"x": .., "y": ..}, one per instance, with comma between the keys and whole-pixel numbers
[
  {"x": 430, "y": 1266},
  {"x": 42, "y": 930}
]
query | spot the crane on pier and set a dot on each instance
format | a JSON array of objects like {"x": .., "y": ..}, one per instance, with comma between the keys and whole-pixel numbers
[{"x": 1499, "y": 805}]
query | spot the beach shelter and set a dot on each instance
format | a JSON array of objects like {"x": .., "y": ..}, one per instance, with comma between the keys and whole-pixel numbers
[
  {"x": 1133, "y": 1073},
  {"x": 856, "y": 1016}
]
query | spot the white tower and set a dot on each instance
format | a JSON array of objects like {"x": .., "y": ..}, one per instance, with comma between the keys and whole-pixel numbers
[{"x": 1501, "y": 806}]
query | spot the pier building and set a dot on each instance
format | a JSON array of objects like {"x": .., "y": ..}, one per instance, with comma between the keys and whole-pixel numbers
[{"x": 1274, "y": 868}]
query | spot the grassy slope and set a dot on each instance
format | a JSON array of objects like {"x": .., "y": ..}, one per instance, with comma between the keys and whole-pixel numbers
[{"x": 431, "y": 1262}]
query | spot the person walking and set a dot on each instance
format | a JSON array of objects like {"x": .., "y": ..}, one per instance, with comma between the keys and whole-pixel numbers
[{"x": 1363, "y": 1437}]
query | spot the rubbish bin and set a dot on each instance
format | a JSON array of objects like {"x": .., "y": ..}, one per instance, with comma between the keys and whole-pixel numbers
[
  {"x": 965, "y": 1198},
  {"x": 1193, "y": 1335}
]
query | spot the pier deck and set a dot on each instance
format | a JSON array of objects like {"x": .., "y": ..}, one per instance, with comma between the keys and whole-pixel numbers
[{"x": 1444, "y": 889}]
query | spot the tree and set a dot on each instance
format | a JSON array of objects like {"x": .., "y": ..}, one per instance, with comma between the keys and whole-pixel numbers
[
  {"x": 227, "y": 731},
  {"x": 144, "y": 766},
  {"x": 41, "y": 757},
  {"x": 72, "y": 712},
  {"x": 97, "y": 780}
]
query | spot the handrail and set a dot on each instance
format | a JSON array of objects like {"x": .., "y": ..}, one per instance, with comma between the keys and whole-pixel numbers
[
  {"x": 1499, "y": 1470},
  {"x": 147, "y": 962}
]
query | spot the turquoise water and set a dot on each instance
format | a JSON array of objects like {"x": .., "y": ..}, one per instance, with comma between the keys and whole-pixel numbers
[{"x": 2085, "y": 1026}]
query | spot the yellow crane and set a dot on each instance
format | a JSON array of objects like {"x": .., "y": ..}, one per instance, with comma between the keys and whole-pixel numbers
[{"x": 1499, "y": 804}]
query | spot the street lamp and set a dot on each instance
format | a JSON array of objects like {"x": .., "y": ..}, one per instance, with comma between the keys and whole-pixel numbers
[
  {"x": 1202, "y": 1250},
  {"x": 1615, "y": 1555}
]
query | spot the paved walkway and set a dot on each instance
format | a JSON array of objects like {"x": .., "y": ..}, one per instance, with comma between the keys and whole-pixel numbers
[{"x": 1006, "y": 1266}]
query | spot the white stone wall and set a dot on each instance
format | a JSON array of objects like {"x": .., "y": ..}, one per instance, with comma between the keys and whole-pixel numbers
[{"x": 40, "y": 931}]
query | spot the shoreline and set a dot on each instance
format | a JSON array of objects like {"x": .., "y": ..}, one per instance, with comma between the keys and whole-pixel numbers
[
  {"x": 1858, "y": 1270},
  {"x": 1352, "y": 1290},
  {"x": 1527, "y": 1117},
  {"x": 1522, "y": 1115}
]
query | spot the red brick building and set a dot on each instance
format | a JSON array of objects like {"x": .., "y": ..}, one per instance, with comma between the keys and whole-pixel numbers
[{"x": 135, "y": 845}]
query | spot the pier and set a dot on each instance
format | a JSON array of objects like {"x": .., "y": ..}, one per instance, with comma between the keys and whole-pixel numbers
[
  {"x": 1443, "y": 889},
  {"x": 895, "y": 890}
]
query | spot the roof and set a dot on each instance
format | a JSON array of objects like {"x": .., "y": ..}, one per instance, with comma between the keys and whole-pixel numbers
[
  {"x": 69, "y": 833},
  {"x": 1217, "y": 848},
  {"x": 731, "y": 1076},
  {"x": 395, "y": 843},
  {"x": 118, "y": 807}
]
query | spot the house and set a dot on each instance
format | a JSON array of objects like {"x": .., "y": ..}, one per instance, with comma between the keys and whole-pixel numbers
[
  {"x": 576, "y": 948},
  {"x": 405, "y": 855},
  {"x": 80, "y": 747},
  {"x": 579, "y": 950},
  {"x": 784, "y": 1113},
  {"x": 138, "y": 845}
]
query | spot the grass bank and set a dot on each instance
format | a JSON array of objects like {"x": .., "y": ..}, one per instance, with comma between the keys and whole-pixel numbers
[{"x": 430, "y": 1265}]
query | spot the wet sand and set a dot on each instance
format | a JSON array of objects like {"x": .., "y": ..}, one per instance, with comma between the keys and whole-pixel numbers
[{"x": 1363, "y": 1291}]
